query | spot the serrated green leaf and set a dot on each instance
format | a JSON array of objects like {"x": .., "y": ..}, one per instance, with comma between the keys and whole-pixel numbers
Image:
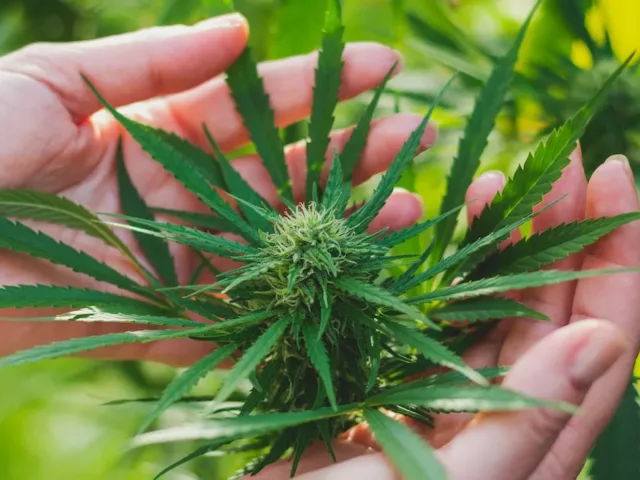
[
  {"x": 252, "y": 357},
  {"x": 85, "y": 344},
  {"x": 505, "y": 283},
  {"x": 379, "y": 296},
  {"x": 542, "y": 168},
  {"x": 549, "y": 246},
  {"x": 185, "y": 382},
  {"x": 467, "y": 254},
  {"x": 414, "y": 458},
  {"x": 361, "y": 219},
  {"x": 336, "y": 193},
  {"x": 198, "y": 452},
  {"x": 247, "y": 426},
  {"x": 155, "y": 249},
  {"x": 616, "y": 453},
  {"x": 474, "y": 138},
  {"x": 252, "y": 102},
  {"x": 189, "y": 236},
  {"x": 319, "y": 358},
  {"x": 23, "y": 296},
  {"x": 186, "y": 163},
  {"x": 433, "y": 350},
  {"x": 209, "y": 221},
  {"x": 485, "y": 308},
  {"x": 240, "y": 188},
  {"x": 19, "y": 238},
  {"x": 462, "y": 398},
  {"x": 396, "y": 238},
  {"x": 353, "y": 149},
  {"x": 328, "y": 77},
  {"x": 51, "y": 208},
  {"x": 115, "y": 315}
]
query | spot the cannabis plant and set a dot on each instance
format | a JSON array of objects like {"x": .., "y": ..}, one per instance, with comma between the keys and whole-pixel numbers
[{"x": 321, "y": 317}]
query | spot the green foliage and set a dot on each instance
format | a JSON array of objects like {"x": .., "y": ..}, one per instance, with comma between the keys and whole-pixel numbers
[
  {"x": 475, "y": 137},
  {"x": 615, "y": 454},
  {"x": 325, "y": 95},
  {"x": 154, "y": 248},
  {"x": 412, "y": 455},
  {"x": 320, "y": 317},
  {"x": 252, "y": 103}
]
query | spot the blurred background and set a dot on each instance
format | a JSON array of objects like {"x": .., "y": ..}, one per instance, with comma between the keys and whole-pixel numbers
[{"x": 54, "y": 423}]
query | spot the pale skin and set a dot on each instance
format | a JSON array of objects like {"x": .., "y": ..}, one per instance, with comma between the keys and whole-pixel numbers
[{"x": 55, "y": 139}]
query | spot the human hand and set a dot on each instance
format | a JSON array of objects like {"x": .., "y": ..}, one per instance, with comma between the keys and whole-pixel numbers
[
  {"x": 573, "y": 358},
  {"x": 55, "y": 138}
]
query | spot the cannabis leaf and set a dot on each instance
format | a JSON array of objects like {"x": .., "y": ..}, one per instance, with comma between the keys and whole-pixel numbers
[
  {"x": 155, "y": 249},
  {"x": 433, "y": 351},
  {"x": 252, "y": 102},
  {"x": 182, "y": 384},
  {"x": 487, "y": 286},
  {"x": 461, "y": 398},
  {"x": 325, "y": 95},
  {"x": 474, "y": 139},
  {"x": 542, "y": 168},
  {"x": 174, "y": 153},
  {"x": 549, "y": 246},
  {"x": 412, "y": 456},
  {"x": 78, "y": 345},
  {"x": 252, "y": 357},
  {"x": 361, "y": 219},
  {"x": 320, "y": 359},
  {"x": 484, "y": 308}
]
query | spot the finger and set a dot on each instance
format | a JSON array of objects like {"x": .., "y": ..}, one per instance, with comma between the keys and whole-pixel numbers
[
  {"x": 555, "y": 301},
  {"x": 401, "y": 210},
  {"x": 611, "y": 191},
  {"x": 386, "y": 138},
  {"x": 289, "y": 83},
  {"x": 561, "y": 368},
  {"x": 482, "y": 191},
  {"x": 133, "y": 67}
]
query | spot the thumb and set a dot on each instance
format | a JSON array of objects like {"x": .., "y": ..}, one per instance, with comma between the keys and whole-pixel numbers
[
  {"x": 562, "y": 368},
  {"x": 132, "y": 67}
]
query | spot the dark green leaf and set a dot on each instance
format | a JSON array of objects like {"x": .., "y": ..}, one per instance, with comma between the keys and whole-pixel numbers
[
  {"x": 484, "y": 308},
  {"x": 19, "y": 238},
  {"x": 155, "y": 249},
  {"x": 325, "y": 95},
  {"x": 461, "y": 398},
  {"x": 519, "y": 281},
  {"x": 185, "y": 382},
  {"x": 252, "y": 102},
  {"x": 474, "y": 138},
  {"x": 411, "y": 455},
  {"x": 379, "y": 296},
  {"x": 186, "y": 162},
  {"x": 551, "y": 245},
  {"x": 240, "y": 188},
  {"x": 252, "y": 358},
  {"x": 363, "y": 217},
  {"x": 433, "y": 350},
  {"x": 319, "y": 358},
  {"x": 77, "y": 345}
]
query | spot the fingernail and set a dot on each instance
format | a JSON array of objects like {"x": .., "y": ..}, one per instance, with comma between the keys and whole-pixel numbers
[
  {"x": 597, "y": 353},
  {"x": 623, "y": 163},
  {"x": 494, "y": 176},
  {"x": 416, "y": 197},
  {"x": 399, "y": 62},
  {"x": 231, "y": 20}
]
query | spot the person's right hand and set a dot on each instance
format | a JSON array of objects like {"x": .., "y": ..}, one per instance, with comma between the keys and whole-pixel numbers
[
  {"x": 584, "y": 355},
  {"x": 51, "y": 141}
]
